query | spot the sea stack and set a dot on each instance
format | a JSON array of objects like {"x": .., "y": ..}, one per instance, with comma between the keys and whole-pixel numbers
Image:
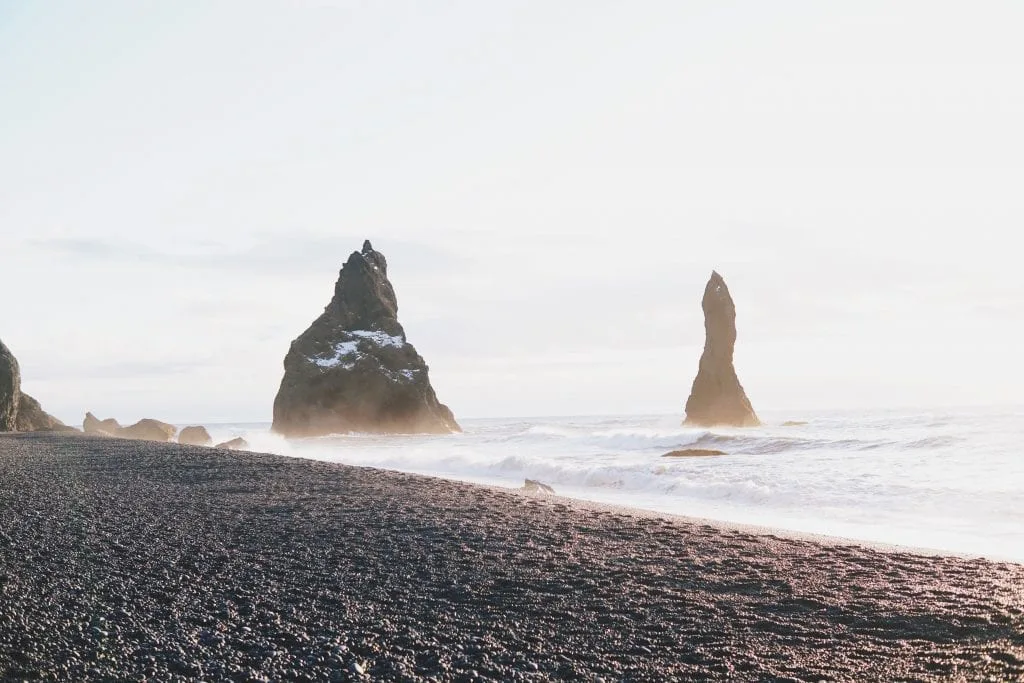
[
  {"x": 353, "y": 370},
  {"x": 717, "y": 398}
]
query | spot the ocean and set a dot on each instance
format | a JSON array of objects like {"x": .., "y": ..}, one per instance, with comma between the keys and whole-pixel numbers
[{"x": 950, "y": 480}]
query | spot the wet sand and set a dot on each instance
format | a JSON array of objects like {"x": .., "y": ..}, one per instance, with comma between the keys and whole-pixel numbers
[{"x": 123, "y": 560}]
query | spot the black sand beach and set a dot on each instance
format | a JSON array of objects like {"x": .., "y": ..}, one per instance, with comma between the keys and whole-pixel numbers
[{"x": 123, "y": 560}]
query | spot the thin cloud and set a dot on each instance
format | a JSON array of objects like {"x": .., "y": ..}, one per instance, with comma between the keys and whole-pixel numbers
[
  {"x": 98, "y": 249},
  {"x": 281, "y": 255},
  {"x": 134, "y": 370}
]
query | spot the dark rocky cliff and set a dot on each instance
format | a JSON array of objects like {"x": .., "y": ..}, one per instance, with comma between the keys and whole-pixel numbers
[
  {"x": 19, "y": 412},
  {"x": 10, "y": 389}
]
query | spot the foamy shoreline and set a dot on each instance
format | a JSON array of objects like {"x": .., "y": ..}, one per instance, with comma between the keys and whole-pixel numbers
[
  {"x": 761, "y": 530},
  {"x": 906, "y": 479}
]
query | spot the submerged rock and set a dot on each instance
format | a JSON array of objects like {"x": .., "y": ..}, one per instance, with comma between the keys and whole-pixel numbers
[
  {"x": 693, "y": 453},
  {"x": 535, "y": 486},
  {"x": 236, "y": 444},
  {"x": 32, "y": 417},
  {"x": 794, "y": 423},
  {"x": 195, "y": 436},
  {"x": 10, "y": 389},
  {"x": 353, "y": 370},
  {"x": 717, "y": 398}
]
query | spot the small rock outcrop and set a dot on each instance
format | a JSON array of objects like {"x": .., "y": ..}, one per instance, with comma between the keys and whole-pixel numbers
[
  {"x": 93, "y": 425},
  {"x": 236, "y": 444},
  {"x": 32, "y": 417},
  {"x": 717, "y": 398},
  {"x": 10, "y": 389},
  {"x": 353, "y": 370},
  {"x": 195, "y": 436},
  {"x": 148, "y": 430}
]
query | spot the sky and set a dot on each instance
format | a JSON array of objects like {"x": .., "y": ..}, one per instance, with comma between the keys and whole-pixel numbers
[{"x": 552, "y": 184}]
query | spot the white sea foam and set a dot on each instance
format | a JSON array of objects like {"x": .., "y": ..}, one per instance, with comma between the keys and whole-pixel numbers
[{"x": 950, "y": 481}]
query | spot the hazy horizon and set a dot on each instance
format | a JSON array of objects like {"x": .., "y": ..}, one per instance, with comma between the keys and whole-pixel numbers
[{"x": 551, "y": 185}]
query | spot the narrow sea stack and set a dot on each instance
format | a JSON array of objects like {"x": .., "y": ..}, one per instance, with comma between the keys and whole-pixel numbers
[
  {"x": 717, "y": 398},
  {"x": 353, "y": 370}
]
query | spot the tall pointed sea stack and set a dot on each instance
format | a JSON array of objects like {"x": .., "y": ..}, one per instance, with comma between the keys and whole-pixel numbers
[
  {"x": 717, "y": 398},
  {"x": 353, "y": 370}
]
